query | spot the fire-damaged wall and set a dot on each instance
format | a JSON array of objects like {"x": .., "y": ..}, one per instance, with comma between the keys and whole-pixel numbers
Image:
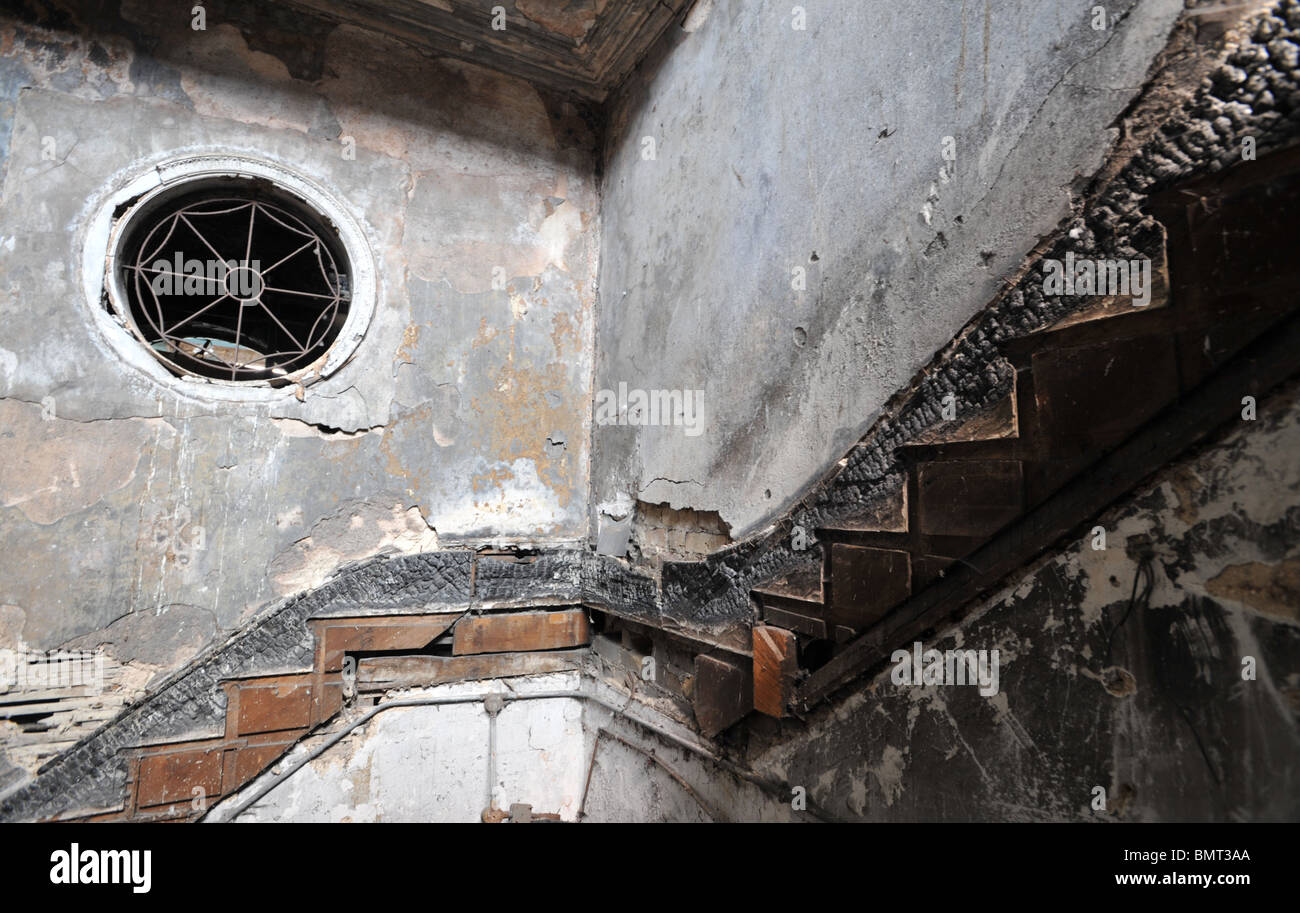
[
  {"x": 148, "y": 519},
  {"x": 1147, "y": 670},
  {"x": 559, "y": 747},
  {"x": 1154, "y": 678},
  {"x": 763, "y": 300},
  {"x": 867, "y": 193}
]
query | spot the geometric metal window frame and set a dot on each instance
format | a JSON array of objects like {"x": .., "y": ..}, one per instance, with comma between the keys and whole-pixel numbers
[
  {"x": 213, "y": 298},
  {"x": 106, "y": 266}
]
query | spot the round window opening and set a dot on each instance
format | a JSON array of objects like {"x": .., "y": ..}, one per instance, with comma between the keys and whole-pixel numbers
[{"x": 233, "y": 279}]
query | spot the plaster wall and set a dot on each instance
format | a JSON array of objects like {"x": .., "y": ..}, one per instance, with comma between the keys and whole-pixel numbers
[
  {"x": 564, "y": 756},
  {"x": 1183, "y": 705},
  {"x": 795, "y": 219},
  {"x": 140, "y": 516},
  {"x": 432, "y": 763}
]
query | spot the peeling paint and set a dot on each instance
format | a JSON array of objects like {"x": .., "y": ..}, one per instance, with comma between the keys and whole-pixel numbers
[
  {"x": 1272, "y": 590},
  {"x": 141, "y": 495},
  {"x": 357, "y": 531},
  {"x": 52, "y": 468}
]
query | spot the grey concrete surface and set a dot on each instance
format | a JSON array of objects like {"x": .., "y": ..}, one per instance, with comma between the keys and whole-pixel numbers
[
  {"x": 463, "y": 415},
  {"x": 823, "y": 150}
]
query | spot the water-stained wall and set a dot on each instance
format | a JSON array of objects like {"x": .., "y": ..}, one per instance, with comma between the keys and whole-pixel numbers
[{"x": 142, "y": 517}]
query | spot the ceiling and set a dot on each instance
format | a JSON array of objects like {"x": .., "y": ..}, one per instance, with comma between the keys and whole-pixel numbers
[{"x": 582, "y": 46}]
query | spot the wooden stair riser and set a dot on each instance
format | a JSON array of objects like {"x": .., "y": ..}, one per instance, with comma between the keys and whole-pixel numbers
[
  {"x": 516, "y": 632},
  {"x": 968, "y": 499},
  {"x": 864, "y": 584},
  {"x": 1090, "y": 398}
]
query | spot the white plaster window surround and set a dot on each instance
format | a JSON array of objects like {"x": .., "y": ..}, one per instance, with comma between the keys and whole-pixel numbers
[{"x": 109, "y": 308}]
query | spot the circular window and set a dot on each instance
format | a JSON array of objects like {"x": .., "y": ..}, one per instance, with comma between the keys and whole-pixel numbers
[
  {"x": 230, "y": 274},
  {"x": 235, "y": 281}
]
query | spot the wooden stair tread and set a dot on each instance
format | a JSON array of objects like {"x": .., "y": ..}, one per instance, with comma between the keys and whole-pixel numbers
[
  {"x": 1121, "y": 326},
  {"x": 782, "y": 616},
  {"x": 885, "y": 514},
  {"x": 1106, "y": 307},
  {"x": 997, "y": 421},
  {"x": 801, "y": 584}
]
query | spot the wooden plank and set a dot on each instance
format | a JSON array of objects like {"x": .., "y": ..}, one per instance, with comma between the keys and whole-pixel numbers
[
  {"x": 517, "y": 632},
  {"x": 784, "y": 618},
  {"x": 48, "y": 694},
  {"x": 969, "y": 498},
  {"x": 383, "y": 673},
  {"x": 171, "y": 776},
  {"x": 776, "y": 663},
  {"x": 866, "y": 583},
  {"x": 337, "y": 636},
  {"x": 280, "y": 703},
  {"x": 1092, "y": 397},
  {"x": 12, "y": 710},
  {"x": 724, "y": 693},
  {"x": 246, "y": 763}
]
